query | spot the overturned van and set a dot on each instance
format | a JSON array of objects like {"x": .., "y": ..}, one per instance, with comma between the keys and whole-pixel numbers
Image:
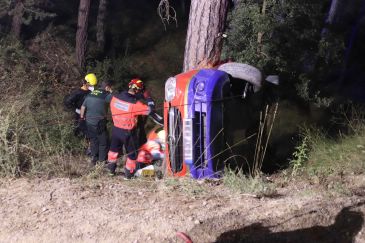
[{"x": 206, "y": 112}]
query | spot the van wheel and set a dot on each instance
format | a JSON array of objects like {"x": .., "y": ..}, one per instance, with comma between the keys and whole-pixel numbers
[{"x": 245, "y": 72}]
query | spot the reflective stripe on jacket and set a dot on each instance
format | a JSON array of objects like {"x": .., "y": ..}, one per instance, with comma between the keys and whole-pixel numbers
[{"x": 125, "y": 111}]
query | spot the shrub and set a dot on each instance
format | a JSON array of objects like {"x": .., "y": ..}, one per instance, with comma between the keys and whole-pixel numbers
[
  {"x": 300, "y": 156},
  {"x": 35, "y": 140},
  {"x": 35, "y": 134},
  {"x": 114, "y": 69},
  {"x": 271, "y": 35}
]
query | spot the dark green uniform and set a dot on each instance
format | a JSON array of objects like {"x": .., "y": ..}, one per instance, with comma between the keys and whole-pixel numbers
[{"x": 96, "y": 104}]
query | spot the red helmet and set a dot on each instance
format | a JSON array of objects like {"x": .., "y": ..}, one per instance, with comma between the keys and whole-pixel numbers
[{"x": 136, "y": 84}]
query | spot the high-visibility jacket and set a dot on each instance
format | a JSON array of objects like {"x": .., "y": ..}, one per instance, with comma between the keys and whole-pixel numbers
[{"x": 125, "y": 109}]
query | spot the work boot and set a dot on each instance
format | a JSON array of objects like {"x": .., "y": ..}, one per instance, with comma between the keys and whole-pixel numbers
[
  {"x": 88, "y": 151},
  {"x": 93, "y": 161},
  {"x": 128, "y": 174},
  {"x": 111, "y": 167}
]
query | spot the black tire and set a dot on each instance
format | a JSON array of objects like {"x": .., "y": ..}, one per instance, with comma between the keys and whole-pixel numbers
[{"x": 245, "y": 72}]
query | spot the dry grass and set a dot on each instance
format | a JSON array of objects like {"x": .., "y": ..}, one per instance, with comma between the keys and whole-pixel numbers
[
  {"x": 327, "y": 156},
  {"x": 36, "y": 135},
  {"x": 328, "y": 161},
  {"x": 255, "y": 186},
  {"x": 30, "y": 144}
]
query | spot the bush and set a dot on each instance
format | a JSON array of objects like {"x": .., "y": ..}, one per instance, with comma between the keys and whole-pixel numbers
[
  {"x": 114, "y": 69},
  {"x": 272, "y": 36},
  {"x": 35, "y": 140},
  {"x": 300, "y": 156},
  {"x": 36, "y": 136},
  {"x": 14, "y": 63}
]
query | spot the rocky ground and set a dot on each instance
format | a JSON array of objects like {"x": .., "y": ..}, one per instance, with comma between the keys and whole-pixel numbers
[{"x": 113, "y": 210}]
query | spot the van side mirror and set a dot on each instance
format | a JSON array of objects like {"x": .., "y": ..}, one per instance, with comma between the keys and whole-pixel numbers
[{"x": 274, "y": 79}]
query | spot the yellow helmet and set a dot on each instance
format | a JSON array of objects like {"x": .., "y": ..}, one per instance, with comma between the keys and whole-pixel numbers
[{"x": 91, "y": 79}]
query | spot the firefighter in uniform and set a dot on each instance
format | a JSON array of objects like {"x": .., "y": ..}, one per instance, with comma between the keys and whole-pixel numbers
[
  {"x": 145, "y": 96},
  {"x": 125, "y": 108}
]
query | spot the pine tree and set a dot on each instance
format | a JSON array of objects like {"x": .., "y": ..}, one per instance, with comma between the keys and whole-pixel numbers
[
  {"x": 81, "y": 34},
  {"x": 100, "y": 24},
  {"x": 204, "y": 38},
  {"x": 24, "y": 12}
]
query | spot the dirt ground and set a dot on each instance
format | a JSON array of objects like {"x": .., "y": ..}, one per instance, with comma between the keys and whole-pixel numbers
[{"x": 113, "y": 210}]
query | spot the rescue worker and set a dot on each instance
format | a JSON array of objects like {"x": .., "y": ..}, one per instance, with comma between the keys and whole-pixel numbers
[
  {"x": 94, "y": 111},
  {"x": 126, "y": 108},
  {"x": 145, "y": 96},
  {"x": 153, "y": 149},
  {"x": 75, "y": 100}
]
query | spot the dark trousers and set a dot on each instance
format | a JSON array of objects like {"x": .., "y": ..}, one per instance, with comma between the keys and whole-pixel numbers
[
  {"x": 128, "y": 138},
  {"x": 80, "y": 128},
  {"x": 140, "y": 130},
  {"x": 98, "y": 141}
]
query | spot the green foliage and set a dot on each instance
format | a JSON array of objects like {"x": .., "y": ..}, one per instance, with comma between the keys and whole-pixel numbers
[
  {"x": 186, "y": 185},
  {"x": 300, "y": 156},
  {"x": 14, "y": 61},
  {"x": 9, "y": 145},
  {"x": 304, "y": 91},
  {"x": 34, "y": 140},
  {"x": 36, "y": 136},
  {"x": 97, "y": 172},
  {"x": 32, "y": 11},
  {"x": 290, "y": 45},
  {"x": 11, "y": 51},
  {"x": 4, "y": 7},
  {"x": 344, "y": 156},
  {"x": 319, "y": 155},
  {"x": 114, "y": 69}
]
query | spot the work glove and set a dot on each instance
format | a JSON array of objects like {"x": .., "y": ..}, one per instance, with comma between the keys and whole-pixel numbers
[
  {"x": 151, "y": 103},
  {"x": 157, "y": 118},
  {"x": 148, "y": 98}
]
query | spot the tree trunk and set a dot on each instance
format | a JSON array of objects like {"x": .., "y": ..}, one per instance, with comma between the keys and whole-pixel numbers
[
  {"x": 260, "y": 35},
  {"x": 331, "y": 16},
  {"x": 81, "y": 34},
  {"x": 17, "y": 21},
  {"x": 183, "y": 6},
  {"x": 333, "y": 11},
  {"x": 204, "y": 38},
  {"x": 100, "y": 24}
]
